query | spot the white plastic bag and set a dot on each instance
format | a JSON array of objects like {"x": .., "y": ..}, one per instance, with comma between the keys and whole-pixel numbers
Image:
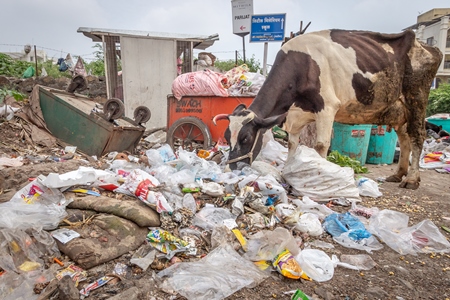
[
  {"x": 309, "y": 223},
  {"x": 316, "y": 264},
  {"x": 210, "y": 217},
  {"x": 311, "y": 175},
  {"x": 368, "y": 187}
]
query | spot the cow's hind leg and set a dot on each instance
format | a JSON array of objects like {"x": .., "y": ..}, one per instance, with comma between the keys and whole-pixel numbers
[{"x": 405, "y": 151}]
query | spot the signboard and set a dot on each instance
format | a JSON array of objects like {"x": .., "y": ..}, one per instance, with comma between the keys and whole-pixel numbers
[
  {"x": 242, "y": 10},
  {"x": 267, "y": 28}
]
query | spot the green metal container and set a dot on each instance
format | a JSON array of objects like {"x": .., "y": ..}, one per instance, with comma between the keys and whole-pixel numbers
[
  {"x": 70, "y": 118},
  {"x": 351, "y": 140},
  {"x": 381, "y": 146}
]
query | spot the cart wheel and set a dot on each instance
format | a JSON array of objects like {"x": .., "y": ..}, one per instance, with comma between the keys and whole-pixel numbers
[
  {"x": 113, "y": 109},
  {"x": 142, "y": 114},
  {"x": 190, "y": 133}
]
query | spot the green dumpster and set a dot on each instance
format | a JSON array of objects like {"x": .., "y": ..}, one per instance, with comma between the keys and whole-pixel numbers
[{"x": 71, "y": 119}]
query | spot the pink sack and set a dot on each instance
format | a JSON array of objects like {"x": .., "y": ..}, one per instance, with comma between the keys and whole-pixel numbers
[{"x": 200, "y": 83}]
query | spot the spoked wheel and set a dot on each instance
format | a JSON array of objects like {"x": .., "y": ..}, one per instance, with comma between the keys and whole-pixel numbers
[
  {"x": 113, "y": 109},
  {"x": 190, "y": 133}
]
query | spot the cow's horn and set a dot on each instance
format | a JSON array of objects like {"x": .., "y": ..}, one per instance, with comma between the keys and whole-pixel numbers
[{"x": 219, "y": 117}]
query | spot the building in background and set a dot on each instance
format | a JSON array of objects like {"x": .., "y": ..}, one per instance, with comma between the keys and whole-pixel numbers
[
  {"x": 432, "y": 28},
  {"x": 28, "y": 54}
]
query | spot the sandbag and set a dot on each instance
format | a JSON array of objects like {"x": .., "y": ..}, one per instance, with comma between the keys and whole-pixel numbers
[
  {"x": 132, "y": 210},
  {"x": 106, "y": 237},
  {"x": 311, "y": 175}
]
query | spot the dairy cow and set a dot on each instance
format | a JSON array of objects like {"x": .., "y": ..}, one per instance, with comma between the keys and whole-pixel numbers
[{"x": 352, "y": 77}]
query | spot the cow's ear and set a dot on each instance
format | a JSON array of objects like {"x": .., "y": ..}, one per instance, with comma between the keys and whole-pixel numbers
[
  {"x": 271, "y": 121},
  {"x": 239, "y": 108}
]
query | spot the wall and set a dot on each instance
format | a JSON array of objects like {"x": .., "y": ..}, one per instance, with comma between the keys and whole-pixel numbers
[{"x": 148, "y": 70}]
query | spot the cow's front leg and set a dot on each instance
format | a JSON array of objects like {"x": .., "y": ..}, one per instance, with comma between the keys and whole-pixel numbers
[
  {"x": 405, "y": 151},
  {"x": 293, "y": 143},
  {"x": 324, "y": 127}
]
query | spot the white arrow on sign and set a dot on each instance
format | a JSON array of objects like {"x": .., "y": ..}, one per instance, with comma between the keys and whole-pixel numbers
[{"x": 282, "y": 22}]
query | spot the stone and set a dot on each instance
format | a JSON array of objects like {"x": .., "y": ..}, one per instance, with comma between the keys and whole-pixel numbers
[
  {"x": 377, "y": 292},
  {"x": 131, "y": 293},
  {"x": 4, "y": 81},
  {"x": 324, "y": 293},
  {"x": 67, "y": 289}
]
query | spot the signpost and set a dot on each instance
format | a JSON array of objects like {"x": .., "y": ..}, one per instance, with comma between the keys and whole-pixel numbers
[
  {"x": 242, "y": 10},
  {"x": 267, "y": 28}
]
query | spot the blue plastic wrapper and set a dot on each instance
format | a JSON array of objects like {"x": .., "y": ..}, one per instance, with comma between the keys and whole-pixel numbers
[{"x": 336, "y": 224}]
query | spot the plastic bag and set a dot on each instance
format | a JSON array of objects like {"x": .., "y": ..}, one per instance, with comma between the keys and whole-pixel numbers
[
  {"x": 354, "y": 262},
  {"x": 29, "y": 72},
  {"x": 348, "y": 231},
  {"x": 139, "y": 183},
  {"x": 311, "y": 175},
  {"x": 392, "y": 227},
  {"x": 218, "y": 275},
  {"x": 267, "y": 244},
  {"x": 309, "y": 223},
  {"x": 210, "y": 217},
  {"x": 368, "y": 187},
  {"x": 316, "y": 264},
  {"x": 206, "y": 83}
]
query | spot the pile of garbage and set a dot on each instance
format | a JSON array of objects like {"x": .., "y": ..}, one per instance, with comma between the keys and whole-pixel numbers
[
  {"x": 235, "y": 82},
  {"x": 205, "y": 233},
  {"x": 436, "y": 148}
]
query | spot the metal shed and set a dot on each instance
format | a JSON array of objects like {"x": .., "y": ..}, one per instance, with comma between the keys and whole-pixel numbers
[{"x": 149, "y": 66}]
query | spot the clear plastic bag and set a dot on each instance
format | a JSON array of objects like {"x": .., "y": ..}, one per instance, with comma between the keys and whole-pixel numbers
[
  {"x": 267, "y": 244},
  {"x": 392, "y": 228},
  {"x": 210, "y": 217},
  {"x": 220, "y": 274}
]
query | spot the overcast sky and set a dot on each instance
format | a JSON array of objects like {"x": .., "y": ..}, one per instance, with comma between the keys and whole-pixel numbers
[{"x": 52, "y": 24}]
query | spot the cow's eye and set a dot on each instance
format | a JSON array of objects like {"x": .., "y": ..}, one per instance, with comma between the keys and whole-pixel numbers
[{"x": 290, "y": 86}]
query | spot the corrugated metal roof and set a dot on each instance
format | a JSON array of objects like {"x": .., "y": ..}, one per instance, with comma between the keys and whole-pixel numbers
[{"x": 96, "y": 34}]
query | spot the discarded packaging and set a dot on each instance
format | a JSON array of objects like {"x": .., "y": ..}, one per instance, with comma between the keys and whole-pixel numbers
[
  {"x": 368, "y": 187},
  {"x": 95, "y": 285},
  {"x": 167, "y": 243},
  {"x": 64, "y": 235},
  {"x": 287, "y": 266},
  {"x": 76, "y": 273}
]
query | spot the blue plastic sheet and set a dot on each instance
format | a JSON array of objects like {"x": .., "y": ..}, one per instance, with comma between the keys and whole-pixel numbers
[{"x": 336, "y": 224}]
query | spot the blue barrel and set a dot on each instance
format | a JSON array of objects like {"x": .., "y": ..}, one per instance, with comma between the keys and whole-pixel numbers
[
  {"x": 351, "y": 140},
  {"x": 381, "y": 146}
]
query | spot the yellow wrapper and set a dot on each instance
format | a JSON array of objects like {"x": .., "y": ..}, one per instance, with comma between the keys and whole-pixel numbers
[{"x": 286, "y": 264}]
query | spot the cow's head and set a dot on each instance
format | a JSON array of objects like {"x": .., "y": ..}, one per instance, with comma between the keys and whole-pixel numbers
[{"x": 244, "y": 133}]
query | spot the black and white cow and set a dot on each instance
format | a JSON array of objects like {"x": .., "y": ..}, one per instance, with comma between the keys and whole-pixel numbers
[{"x": 351, "y": 77}]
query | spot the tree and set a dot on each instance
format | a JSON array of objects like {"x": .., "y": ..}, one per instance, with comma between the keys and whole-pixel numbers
[
  {"x": 253, "y": 64},
  {"x": 439, "y": 100}
]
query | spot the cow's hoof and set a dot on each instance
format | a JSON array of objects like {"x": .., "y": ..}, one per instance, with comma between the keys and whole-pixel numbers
[
  {"x": 394, "y": 178},
  {"x": 409, "y": 185}
]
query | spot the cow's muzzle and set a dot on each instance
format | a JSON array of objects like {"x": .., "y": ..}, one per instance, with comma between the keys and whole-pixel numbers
[{"x": 249, "y": 154}]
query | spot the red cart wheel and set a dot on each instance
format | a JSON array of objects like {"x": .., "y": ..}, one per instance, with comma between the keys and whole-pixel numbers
[{"x": 190, "y": 133}]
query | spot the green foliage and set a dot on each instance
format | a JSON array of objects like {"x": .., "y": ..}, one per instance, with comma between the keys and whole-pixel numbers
[
  {"x": 52, "y": 70},
  {"x": 7, "y": 92},
  {"x": 97, "y": 66},
  {"x": 253, "y": 64},
  {"x": 439, "y": 100},
  {"x": 12, "y": 68},
  {"x": 345, "y": 161}
]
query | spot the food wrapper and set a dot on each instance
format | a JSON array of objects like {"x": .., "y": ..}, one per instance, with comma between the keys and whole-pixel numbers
[
  {"x": 76, "y": 273},
  {"x": 286, "y": 264},
  {"x": 167, "y": 243},
  {"x": 95, "y": 285}
]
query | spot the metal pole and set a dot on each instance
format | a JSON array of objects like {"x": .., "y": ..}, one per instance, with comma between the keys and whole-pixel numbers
[
  {"x": 243, "y": 45},
  {"x": 266, "y": 46},
  {"x": 235, "y": 58},
  {"x": 35, "y": 59}
]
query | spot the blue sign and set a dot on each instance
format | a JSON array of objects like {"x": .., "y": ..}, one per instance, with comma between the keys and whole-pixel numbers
[{"x": 267, "y": 28}]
